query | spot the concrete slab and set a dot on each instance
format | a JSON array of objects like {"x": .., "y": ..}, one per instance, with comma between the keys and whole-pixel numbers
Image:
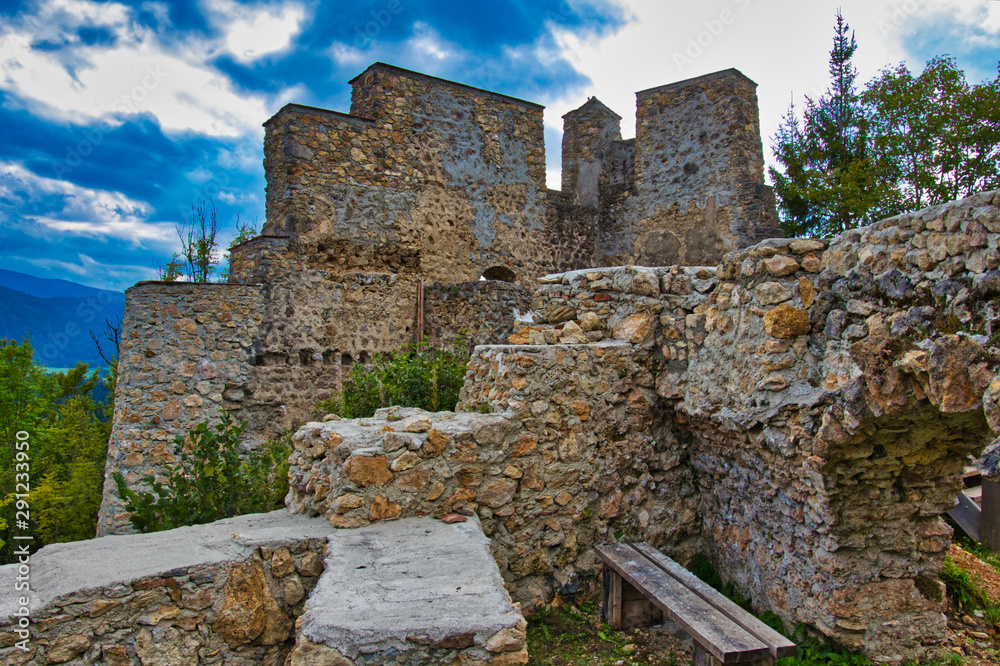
[
  {"x": 406, "y": 585},
  {"x": 80, "y": 567}
]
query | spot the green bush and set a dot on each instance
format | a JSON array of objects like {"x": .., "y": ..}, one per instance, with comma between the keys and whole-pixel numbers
[
  {"x": 211, "y": 480},
  {"x": 418, "y": 375}
]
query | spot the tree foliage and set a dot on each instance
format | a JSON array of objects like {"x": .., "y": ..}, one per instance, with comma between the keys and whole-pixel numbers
[
  {"x": 851, "y": 158},
  {"x": 832, "y": 180},
  {"x": 211, "y": 480},
  {"x": 199, "y": 259},
  {"x": 941, "y": 134},
  {"x": 68, "y": 435}
]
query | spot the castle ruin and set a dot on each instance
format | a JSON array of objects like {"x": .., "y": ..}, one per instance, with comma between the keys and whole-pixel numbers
[
  {"x": 427, "y": 185},
  {"x": 655, "y": 362}
]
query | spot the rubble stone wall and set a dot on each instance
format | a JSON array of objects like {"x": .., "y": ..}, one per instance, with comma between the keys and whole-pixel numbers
[
  {"x": 322, "y": 313},
  {"x": 186, "y": 353},
  {"x": 448, "y": 177},
  {"x": 484, "y": 311},
  {"x": 437, "y": 177},
  {"x": 698, "y": 186},
  {"x": 235, "y": 602},
  {"x": 577, "y": 453},
  {"x": 588, "y": 133},
  {"x": 430, "y": 179},
  {"x": 833, "y": 409},
  {"x": 818, "y": 398}
]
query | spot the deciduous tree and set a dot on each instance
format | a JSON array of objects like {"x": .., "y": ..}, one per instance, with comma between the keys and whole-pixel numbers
[{"x": 941, "y": 133}]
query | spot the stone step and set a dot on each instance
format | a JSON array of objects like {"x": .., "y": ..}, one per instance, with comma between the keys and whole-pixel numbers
[{"x": 417, "y": 590}]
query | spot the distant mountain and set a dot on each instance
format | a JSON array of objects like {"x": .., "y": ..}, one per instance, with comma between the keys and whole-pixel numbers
[
  {"x": 48, "y": 288},
  {"x": 58, "y": 316}
]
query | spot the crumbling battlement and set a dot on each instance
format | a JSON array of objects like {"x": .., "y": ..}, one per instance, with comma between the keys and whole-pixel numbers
[
  {"x": 799, "y": 409},
  {"x": 380, "y": 223}
]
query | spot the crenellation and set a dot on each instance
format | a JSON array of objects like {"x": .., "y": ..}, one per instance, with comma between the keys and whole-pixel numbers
[{"x": 588, "y": 135}]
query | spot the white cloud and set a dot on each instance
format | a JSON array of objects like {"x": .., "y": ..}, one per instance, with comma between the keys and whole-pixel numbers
[
  {"x": 254, "y": 32},
  {"x": 979, "y": 14},
  {"x": 85, "y": 211},
  {"x": 343, "y": 54},
  {"x": 136, "y": 74},
  {"x": 783, "y": 45},
  {"x": 160, "y": 10},
  {"x": 426, "y": 44},
  {"x": 242, "y": 198},
  {"x": 84, "y": 12},
  {"x": 91, "y": 272}
]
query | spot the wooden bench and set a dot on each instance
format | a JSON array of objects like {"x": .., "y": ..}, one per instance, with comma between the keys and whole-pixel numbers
[{"x": 640, "y": 583}]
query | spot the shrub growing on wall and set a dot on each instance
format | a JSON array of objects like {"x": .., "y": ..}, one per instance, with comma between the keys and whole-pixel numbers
[
  {"x": 418, "y": 375},
  {"x": 211, "y": 480}
]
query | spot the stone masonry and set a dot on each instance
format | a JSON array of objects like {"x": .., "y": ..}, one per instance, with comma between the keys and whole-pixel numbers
[
  {"x": 798, "y": 409},
  {"x": 272, "y": 589},
  {"x": 427, "y": 186},
  {"x": 801, "y": 412}
]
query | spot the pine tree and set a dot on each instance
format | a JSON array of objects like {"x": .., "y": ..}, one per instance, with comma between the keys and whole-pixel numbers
[{"x": 831, "y": 179}]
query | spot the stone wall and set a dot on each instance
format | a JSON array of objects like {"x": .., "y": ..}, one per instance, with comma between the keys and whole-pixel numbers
[
  {"x": 800, "y": 411},
  {"x": 429, "y": 180},
  {"x": 813, "y": 410},
  {"x": 573, "y": 458},
  {"x": 186, "y": 353},
  {"x": 827, "y": 404},
  {"x": 271, "y": 589},
  {"x": 588, "y": 133},
  {"x": 449, "y": 177},
  {"x": 325, "y": 307},
  {"x": 852, "y": 405},
  {"x": 448, "y": 180},
  {"x": 484, "y": 312},
  {"x": 225, "y": 592},
  {"x": 699, "y": 176}
]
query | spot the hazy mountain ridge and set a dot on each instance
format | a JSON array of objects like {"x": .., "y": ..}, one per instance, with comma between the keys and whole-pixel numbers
[{"x": 58, "y": 316}]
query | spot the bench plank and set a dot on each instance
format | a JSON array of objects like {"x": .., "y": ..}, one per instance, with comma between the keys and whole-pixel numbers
[
  {"x": 778, "y": 645},
  {"x": 716, "y": 633}
]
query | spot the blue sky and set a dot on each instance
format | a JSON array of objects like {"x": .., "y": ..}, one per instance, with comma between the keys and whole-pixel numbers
[{"x": 116, "y": 117}]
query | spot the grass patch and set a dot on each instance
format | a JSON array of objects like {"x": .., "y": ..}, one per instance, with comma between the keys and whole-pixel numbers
[{"x": 571, "y": 636}]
